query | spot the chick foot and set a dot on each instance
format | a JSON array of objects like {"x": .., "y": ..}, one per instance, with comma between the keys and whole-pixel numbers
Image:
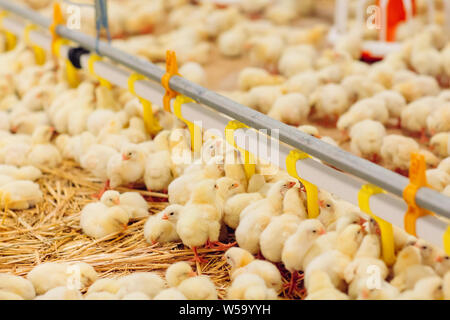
[
  {"x": 293, "y": 283},
  {"x": 106, "y": 187},
  {"x": 217, "y": 245},
  {"x": 197, "y": 258},
  {"x": 424, "y": 137}
]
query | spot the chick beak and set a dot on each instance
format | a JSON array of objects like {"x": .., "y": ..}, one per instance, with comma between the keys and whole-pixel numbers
[
  {"x": 290, "y": 184},
  {"x": 378, "y": 231},
  {"x": 322, "y": 232},
  {"x": 165, "y": 217},
  {"x": 235, "y": 185},
  {"x": 192, "y": 274},
  {"x": 322, "y": 204},
  {"x": 125, "y": 226},
  {"x": 439, "y": 259},
  {"x": 318, "y": 136},
  {"x": 13, "y": 129},
  {"x": 125, "y": 157},
  {"x": 116, "y": 202}
]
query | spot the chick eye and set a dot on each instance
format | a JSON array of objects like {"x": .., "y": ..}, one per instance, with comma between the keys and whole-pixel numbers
[
  {"x": 328, "y": 205},
  {"x": 447, "y": 258},
  {"x": 314, "y": 231},
  {"x": 424, "y": 247},
  {"x": 171, "y": 214}
]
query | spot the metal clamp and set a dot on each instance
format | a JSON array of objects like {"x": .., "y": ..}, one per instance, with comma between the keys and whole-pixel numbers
[
  {"x": 387, "y": 232},
  {"x": 195, "y": 131},
  {"x": 312, "y": 192},
  {"x": 151, "y": 122},
  {"x": 249, "y": 159},
  {"x": 171, "y": 70}
]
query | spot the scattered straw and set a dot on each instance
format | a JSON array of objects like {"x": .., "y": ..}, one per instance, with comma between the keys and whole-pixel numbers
[{"x": 51, "y": 232}]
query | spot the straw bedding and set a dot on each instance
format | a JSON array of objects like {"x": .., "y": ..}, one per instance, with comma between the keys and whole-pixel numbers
[{"x": 51, "y": 232}]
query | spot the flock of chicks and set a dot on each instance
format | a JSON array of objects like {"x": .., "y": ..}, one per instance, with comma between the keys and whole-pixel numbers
[
  {"x": 295, "y": 78},
  {"x": 43, "y": 121}
]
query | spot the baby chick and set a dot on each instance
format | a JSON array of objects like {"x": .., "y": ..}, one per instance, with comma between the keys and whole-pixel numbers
[
  {"x": 126, "y": 167},
  {"x": 320, "y": 288},
  {"x": 193, "y": 287},
  {"x": 248, "y": 286},
  {"x": 134, "y": 204},
  {"x": 100, "y": 219},
  {"x": 50, "y": 275},
  {"x": 147, "y": 283},
  {"x": 161, "y": 227},
  {"x": 17, "y": 285},
  {"x": 297, "y": 245}
]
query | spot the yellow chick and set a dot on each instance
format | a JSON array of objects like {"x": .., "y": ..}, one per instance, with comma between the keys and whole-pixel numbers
[
  {"x": 180, "y": 189},
  {"x": 266, "y": 270},
  {"x": 440, "y": 144},
  {"x": 20, "y": 195},
  {"x": 360, "y": 87},
  {"x": 414, "y": 116},
  {"x": 6, "y": 295},
  {"x": 265, "y": 50},
  {"x": 320, "y": 287},
  {"x": 17, "y": 285},
  {"x": 161, "y": 227},
  {"x": 60, "y": 293},
  {"x": 366, "y": 139},
  {"x": 407, "y": 257},
  {"x": 329, "y": 102},
  {"x": 193, "y": 287},
  {"x": 105, "y": 285},
  {"x": 437, "y": 179},
  {"x": 248, "y": 286},
  {"x": 126, "y": 167},
  {"x": 297, "y": 59},
  {"x": 199, "y": 223},
  {"x": 237, "y": 258},
  {"x": 263, "y": 97},
  {"x": 251, "y": 77},
  {"x": 369, "y": 108},
  {"x": 99, "y": 119},
  {"x": 305, "y": 83},
  {"x": 96, "y": 159},
  {"x": 292, "y": 109},
  {"x": 275, "y": 234},
  {"x": 134, "y": 204},
  {"x": 234, "y": 206},
  {"x": 382, "y": 291},
  {"x": 42, "y": 153},
  {"x": 147, "y": 283},
  {"x": 226, "y": 188},
  {"x": 439, "y": 118},
  {"x": 349, "y": 240},
  {"x": 170, "y": 294},
  {"x": 194, "y": 72},
  {"x": 396, "y": 151},
  {"x": 50, "y": 275},
  {"x": 255, "y": 218},
  {"x": 333, "y": 263},
  {"x": 103, "y": 218},
  {"x": 429, "y": 288},
  {"x": 297, "y": 246}
]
